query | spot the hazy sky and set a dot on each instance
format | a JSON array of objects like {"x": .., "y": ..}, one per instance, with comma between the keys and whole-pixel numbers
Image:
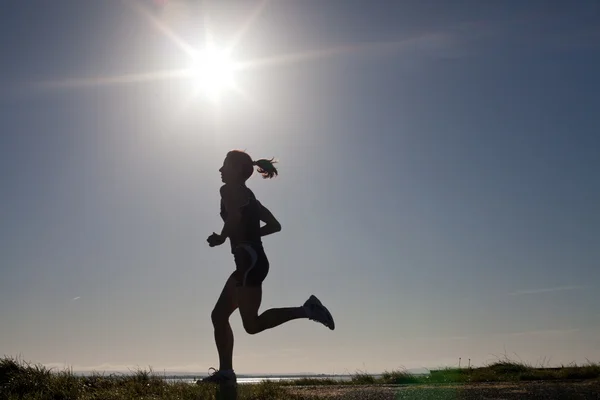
[{"x": 438, "y": 184}]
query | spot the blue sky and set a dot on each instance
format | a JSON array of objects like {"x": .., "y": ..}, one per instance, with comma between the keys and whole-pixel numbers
[{"x": 438, "y": 181}]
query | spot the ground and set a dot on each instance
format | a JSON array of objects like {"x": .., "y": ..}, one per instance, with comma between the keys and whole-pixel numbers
[{"x": 480, "y": 391}]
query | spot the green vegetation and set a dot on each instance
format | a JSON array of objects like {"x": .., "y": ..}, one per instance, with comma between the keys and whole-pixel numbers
[
  {"x": 510, "y": 371},
  {"x": 20, "y": 380}
]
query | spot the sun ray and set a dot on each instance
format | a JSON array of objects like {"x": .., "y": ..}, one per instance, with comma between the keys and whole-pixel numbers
[
  {"x": 247, "y": 24},
  {"x": 118, "y": 79},
  {"x": 291, "y": 58},
  {"x": 182, "y": 44},
  {"x": 215, "y": 72},
  {"x": 280, "y": 60},
  {"x": 207, "y": 32}
]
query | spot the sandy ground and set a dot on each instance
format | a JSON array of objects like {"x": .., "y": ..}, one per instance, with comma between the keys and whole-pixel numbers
[{"x": 482, "y": 391}]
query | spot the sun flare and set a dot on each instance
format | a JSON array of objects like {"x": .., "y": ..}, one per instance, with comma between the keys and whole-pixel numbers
[{"x": 212, "y": 72}]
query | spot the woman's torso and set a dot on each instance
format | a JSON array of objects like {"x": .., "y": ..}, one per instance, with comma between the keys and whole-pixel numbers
[{"x": 247, "y": 230}]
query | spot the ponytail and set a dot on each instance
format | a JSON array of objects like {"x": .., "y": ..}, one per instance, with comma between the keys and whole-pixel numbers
[{"x": 266, "y": 167}]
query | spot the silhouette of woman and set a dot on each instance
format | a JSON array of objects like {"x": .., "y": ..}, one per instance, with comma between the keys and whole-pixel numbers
[{"x": 242, "y": 214}]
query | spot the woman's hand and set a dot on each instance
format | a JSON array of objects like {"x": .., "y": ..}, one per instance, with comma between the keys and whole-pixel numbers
[{"x": 215, "y": 240}]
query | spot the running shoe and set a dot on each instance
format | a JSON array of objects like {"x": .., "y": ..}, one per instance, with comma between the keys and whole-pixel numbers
[
  {"x": 318, "y": 312},
  {"x": 219, "y": 376}
]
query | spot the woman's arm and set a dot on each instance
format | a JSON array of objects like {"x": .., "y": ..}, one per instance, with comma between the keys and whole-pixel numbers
[{"x": 271, "y": 223}]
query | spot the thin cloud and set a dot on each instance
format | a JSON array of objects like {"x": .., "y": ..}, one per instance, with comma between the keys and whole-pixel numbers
[
  {"x": 449, "y": 338},
  {"x": 546, "y": 332},
  {"x": 75, "y": 298},
  {"x": 545, "y": 290}
]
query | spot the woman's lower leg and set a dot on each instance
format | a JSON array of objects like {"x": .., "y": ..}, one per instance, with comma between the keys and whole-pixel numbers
[
  {"x": 224, "y": 342},
  {"x": 276, "y": 316}
]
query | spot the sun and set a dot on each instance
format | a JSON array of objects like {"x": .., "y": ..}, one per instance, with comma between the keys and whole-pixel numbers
[{"x": 212, "y": 72}]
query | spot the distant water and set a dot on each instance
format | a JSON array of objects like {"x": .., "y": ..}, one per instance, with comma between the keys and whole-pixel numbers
[{"x": 258, "y": 379}]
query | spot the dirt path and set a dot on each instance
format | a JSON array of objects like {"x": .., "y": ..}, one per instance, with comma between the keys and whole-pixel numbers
[{"x": 481, "y": 391}]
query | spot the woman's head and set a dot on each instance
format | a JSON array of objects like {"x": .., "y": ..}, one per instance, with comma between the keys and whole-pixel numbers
[{"x": 238, "y": 167}]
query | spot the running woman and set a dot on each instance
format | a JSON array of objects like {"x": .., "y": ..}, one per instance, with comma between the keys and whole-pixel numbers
[{"x": 242, "y": 214}]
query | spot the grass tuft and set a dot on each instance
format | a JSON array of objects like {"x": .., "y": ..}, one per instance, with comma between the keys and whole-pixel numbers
[
  {"x": 362, "y": 378},
  {"x": 399, "y": 378},
  {"x": 308, "y": 381}
]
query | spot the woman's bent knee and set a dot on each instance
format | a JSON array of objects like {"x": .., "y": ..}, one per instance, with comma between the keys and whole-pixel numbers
[
  {"x": 252, "y": 327},
  {"x": 219, "y": 317}
]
